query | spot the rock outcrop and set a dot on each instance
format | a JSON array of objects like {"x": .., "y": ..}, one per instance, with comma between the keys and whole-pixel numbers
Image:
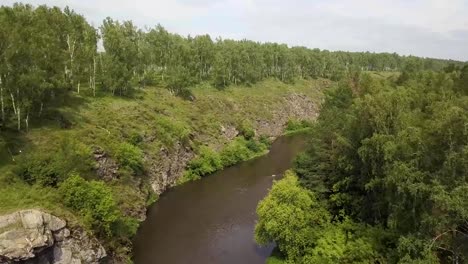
[
  {"x": 35, "y": 237},
  {"x": 107, "y": 169},
  {"x": 166, "y": 168},
  {"x": 295, "y": 106}
]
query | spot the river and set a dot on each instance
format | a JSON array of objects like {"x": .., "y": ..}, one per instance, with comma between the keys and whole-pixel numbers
[{"x": 212, "y": 220}]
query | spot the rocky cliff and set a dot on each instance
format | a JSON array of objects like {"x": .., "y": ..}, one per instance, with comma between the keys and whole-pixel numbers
[
  {"x": 35, "y": 237},
  {"x": 166, "y": 168}
]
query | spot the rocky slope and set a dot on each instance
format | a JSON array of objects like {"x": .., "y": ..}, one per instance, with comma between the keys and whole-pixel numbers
[
  {"x": 166, "y": 168},
  {"x": 35, "y": 237}
]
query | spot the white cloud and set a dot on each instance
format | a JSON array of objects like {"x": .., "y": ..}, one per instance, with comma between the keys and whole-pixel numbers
[{"x": 435, "y": 28}]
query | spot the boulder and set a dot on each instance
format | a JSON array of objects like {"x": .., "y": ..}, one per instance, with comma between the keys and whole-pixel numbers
[{"x": 36, "y": 237}]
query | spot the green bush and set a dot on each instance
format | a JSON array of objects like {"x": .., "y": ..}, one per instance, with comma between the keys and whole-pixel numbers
[
  {"x": 235, "y": 152},
  {"x": 256, "y": 146},
  {"x": 135, "y": 138},
  {"x": 94, "y": 202},
  {"x": 275, "y": 260},
  {"x": 130, "y": 156},
  {"x": 52, "y": 165},
  {"x": 265, "y": 141},
  {"x": 170, "y": 131},
  {"x": 246, "y": 130},
  {"x": 295, "y": 125},
  {"x": 207, "y": 162}
]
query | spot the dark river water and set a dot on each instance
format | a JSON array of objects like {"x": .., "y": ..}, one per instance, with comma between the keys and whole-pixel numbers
[{"x": 212, "y": 220}]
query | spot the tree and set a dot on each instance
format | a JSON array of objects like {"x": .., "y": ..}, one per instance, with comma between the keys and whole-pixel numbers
[
  {"x": 120, "y": 59},
  {"x": 394, "y": 155},
  {"x": 291, "y": 217}
]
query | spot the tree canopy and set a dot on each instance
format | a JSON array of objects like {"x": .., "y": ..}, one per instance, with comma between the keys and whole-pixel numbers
[
  {"x": 391, "y": 155},
  {"x": 46, "y": 52}
]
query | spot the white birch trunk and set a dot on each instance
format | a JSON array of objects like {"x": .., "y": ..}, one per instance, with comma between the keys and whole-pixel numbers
[
  {"x": 26, "y": 121},
  {"x": 18, "y": 117},
  {"x": 40, "y": 109},
  {"x": 71, "y": 51},
  {"x": 13, "y": 103},
  {"x": 94, "y": 76}
]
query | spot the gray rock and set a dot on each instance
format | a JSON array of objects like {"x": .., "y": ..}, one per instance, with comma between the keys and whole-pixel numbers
[
  {"x": 35, "y": 237},
  {"x": 32, "y": 219},
  {"x": 61, "y": 235}
]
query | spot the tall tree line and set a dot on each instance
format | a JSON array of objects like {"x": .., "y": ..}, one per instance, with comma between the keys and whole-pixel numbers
[
  {"x": 384, "y": 178},
  {"x": 44, "y": 53},
  {"x": 47, "y": 52}
]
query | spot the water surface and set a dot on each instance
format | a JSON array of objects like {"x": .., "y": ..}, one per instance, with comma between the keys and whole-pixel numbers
[{"x": 212, "y": 220}]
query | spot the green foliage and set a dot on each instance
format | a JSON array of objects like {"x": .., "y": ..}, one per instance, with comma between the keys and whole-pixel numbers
[
  {"x": 40, "y": 61},
  {"x": 93, "y": 200},
  {"x": 275, "y": 260},
  {"x": 235, "y": 152},
  {"x": 257, "y": 146},
  {"x": 207, "y": 161},
  {"x": 52, "y": 165},
  {"x": 297, "y": 125},
  {"x": 265, "y": 140},
  {"x": 130, "y": 157},
  {"x": 246, "y": 130},
  {"x": 302, "y": 228},
  {"x": 120, "y": 60},
  {"x": 394, "y": 154},
  {"x": 290, "y": 216},
  {"x": 171, "y": 131},
  {"x": 46, "y": 52}
]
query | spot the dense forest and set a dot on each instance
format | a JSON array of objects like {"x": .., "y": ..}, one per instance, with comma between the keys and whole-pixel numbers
[
  {"x": 47, "y": 52},
  {"x": 384, "y": 179}
]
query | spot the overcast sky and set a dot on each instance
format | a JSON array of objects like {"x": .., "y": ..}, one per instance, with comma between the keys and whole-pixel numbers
[{"x": 429, "y": 28}]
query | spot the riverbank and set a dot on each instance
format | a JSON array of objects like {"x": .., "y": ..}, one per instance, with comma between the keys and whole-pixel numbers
[{"x": 141, "y": 146}]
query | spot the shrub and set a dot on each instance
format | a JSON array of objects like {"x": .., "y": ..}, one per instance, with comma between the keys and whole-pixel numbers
[
  {"x": 256, "y": 146},
  {"x": 294, "y": 125},
  {"x": 130, "y": 157},
  {"x": 246, "y": 130},
  {"x": 207, "y": 162},
  {"x": 170, "y": 131},
  {"x": 50, "y": 166},
  {"x": 93, "y": 200},
  {"x": 265, "y": 141},
  {"x": 275, "y": 260},
  {"x": 235, "y": 152},
  {"x": 135, "y": 139}
]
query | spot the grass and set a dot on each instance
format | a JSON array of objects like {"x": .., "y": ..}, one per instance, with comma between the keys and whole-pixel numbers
[
  {"x": 297, "y": 131},
  {"x": 22, "y": 196}
]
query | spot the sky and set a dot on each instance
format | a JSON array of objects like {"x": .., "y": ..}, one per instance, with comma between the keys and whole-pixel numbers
[{"x": 427, "y": 28}]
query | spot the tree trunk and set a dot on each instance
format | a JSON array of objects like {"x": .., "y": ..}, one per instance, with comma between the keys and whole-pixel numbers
[
  {"x": 94, "y": 76},
  {"x": 71, "y": 51},
  {"x": 40, "y": 109},
  {"x": 78, "y": 87},
  {"x": 18, "y": 117},
  {"x": 26, "y": 121},
  {"x": 13, "y": 103}
]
